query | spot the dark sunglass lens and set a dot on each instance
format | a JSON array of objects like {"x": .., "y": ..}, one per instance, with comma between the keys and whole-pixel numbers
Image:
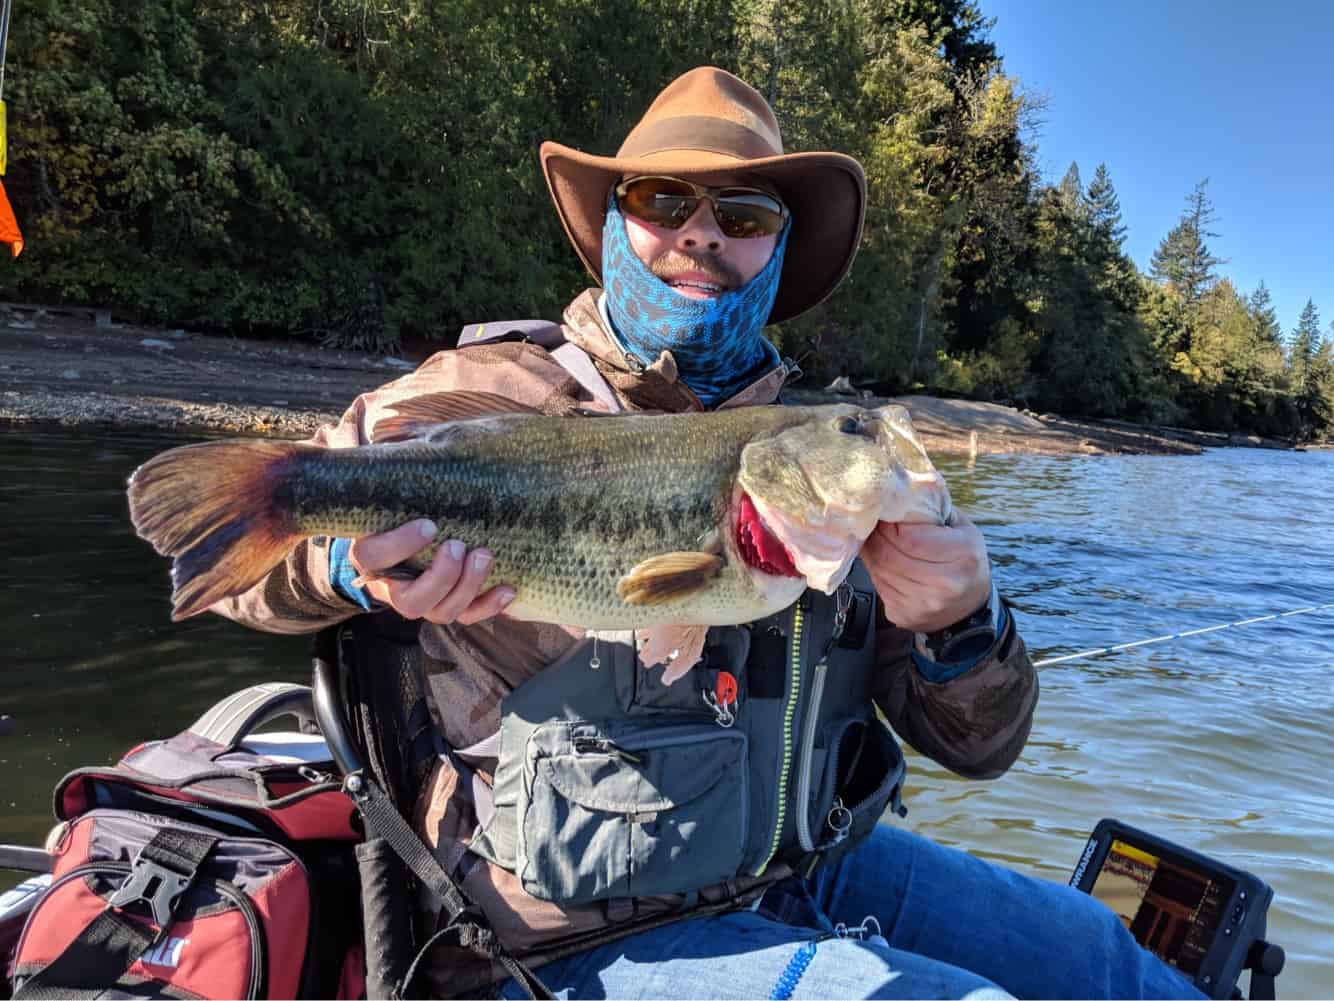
[
  {"x": 743, "y": 219},
  {"x": 659, "y": 201}
]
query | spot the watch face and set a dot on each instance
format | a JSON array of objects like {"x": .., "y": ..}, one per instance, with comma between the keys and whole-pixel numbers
[{"x": 975, "y": 633}]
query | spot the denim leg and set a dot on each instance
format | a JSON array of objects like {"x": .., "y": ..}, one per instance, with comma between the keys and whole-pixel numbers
[
  {"x": 744, "y": 955},
  {"x": 1035, "y": 938}
]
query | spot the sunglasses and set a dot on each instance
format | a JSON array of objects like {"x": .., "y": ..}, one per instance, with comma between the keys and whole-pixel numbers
[{"x": 741, "y": 213}]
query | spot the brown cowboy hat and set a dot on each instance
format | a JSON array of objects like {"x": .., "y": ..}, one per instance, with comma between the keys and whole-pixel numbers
[{"x": 705, "y": 121}]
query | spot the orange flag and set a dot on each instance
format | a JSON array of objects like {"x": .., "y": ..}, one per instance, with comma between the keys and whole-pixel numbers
[{"x": 9, "y": 226}]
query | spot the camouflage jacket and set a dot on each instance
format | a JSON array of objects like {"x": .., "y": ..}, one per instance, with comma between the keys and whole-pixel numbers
[{"x": 975, "y": 725}]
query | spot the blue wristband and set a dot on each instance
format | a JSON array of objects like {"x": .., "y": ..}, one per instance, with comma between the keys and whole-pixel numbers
[{"x": 342, "y": 573}]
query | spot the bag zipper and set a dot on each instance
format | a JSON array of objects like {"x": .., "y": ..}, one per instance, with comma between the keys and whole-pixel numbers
[
  {"x": 789, "y": 716},
  {"x": 221, "y": 886}
]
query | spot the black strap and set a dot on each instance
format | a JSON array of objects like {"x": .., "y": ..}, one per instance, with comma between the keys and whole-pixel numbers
[
  {"x": 381, "y": 816},
  {"x": 104, "y": 951},
  {"x": 93, "y": 962}
]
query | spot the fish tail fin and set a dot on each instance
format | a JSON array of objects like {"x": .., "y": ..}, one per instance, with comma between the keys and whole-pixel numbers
[{"x": 212, "y": 507}]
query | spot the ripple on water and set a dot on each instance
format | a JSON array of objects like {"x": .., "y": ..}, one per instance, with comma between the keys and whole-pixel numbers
[{"x": 1221, "y": 742}]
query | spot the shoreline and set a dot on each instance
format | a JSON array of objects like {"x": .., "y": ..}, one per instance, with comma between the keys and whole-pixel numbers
[{"x": 75, "y": 367}]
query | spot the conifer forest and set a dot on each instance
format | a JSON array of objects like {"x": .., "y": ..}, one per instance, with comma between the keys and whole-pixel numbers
[{"x": 364, "y": 173}]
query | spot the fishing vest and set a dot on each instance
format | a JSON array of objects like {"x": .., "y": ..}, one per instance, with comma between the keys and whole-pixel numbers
[
  {"x": 612, "y": 786},
  {"x": 646, "y": 802}
]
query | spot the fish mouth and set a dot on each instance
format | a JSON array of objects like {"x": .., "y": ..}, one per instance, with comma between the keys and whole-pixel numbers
[{"x": 759, "y": 547}]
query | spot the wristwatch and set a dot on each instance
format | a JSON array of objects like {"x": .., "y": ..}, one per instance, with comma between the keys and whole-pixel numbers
[{"x": 972, "y": 635}]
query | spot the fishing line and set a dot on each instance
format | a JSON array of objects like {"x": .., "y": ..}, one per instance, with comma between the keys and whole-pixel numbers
[{"x": 1176, "y": 636}]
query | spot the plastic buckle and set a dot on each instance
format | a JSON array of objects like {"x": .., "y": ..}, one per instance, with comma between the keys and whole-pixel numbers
[{"x": 155, "y": 885}]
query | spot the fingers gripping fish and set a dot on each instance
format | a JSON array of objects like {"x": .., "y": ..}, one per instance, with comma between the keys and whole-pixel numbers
[{"x": 662, "y": 523}]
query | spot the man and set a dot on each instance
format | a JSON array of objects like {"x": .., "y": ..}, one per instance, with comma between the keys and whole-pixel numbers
[{"x": 671, "y": 859}]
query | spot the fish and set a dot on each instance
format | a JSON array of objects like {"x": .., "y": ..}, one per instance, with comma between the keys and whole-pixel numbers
[{"x": 665, "y": 524}]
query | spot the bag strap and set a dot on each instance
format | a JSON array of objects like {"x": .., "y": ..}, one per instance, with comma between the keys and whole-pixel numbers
[
  {"x": 382, "y": 817},
  {"x": 104, "y": 951}
]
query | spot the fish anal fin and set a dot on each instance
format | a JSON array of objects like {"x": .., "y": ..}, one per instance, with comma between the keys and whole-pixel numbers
[
  {"x": 679, "y": 647},
  {"x": 417, "y": 415},
  {"x": 669, "y": 577}
]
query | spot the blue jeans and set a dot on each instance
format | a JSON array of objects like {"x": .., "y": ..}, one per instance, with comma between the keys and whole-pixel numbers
[{"x": 954, "y": 926}]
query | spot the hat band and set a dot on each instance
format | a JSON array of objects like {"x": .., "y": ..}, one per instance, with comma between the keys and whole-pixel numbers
[{"x": 699, "y": 132}]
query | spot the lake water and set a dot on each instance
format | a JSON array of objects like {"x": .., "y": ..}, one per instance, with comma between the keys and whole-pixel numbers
[{"x": 1220, "y": 742}]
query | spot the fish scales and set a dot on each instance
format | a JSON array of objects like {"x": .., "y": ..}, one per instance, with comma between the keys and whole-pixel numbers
[{"x": 568, "y": 507}]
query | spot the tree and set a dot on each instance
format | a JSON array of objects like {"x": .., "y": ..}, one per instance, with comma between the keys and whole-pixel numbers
[
  {"x": 1183, "y": 260},
  {"x": 1105, "y": 209},
  {"x": 1308, "y": 371},
  {"x": 1071, "y": 190},
  {"x": 1265, "y": 320}
]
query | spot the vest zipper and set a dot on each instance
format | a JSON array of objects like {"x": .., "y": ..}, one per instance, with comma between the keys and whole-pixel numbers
[
  {"x": 804, "y": 837},
  {"x": 805, "y": 752},
  {"x": 789, "y": 714}
]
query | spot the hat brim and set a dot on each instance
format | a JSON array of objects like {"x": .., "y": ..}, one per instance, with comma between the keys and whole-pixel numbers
[{"x": 826, "y": 193}]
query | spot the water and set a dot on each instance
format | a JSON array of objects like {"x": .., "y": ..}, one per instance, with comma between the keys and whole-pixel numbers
[{"x": 1218, "y": 742}]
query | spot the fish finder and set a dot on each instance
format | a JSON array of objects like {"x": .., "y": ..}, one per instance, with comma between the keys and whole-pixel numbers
[{"x": 1203, "y": 917}]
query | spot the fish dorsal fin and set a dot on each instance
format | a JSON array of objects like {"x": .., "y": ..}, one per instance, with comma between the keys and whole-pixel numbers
[
  {"x": 669, "y": 577},
  {"x": 417, "y": 415}
]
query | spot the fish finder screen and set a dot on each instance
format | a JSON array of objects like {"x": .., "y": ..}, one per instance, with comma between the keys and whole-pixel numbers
[{"x": 1171, "y": 910}]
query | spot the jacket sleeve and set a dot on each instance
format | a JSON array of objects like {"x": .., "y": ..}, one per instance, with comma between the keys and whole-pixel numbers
[
  {"x": 974, "y": 725},
  {"x": 297, "y": 596}
]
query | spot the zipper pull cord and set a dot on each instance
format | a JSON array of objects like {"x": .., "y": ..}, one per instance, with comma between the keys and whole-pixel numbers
[
  {"x": 791, "y": 975},
  {"x": 842, "y": 603}
]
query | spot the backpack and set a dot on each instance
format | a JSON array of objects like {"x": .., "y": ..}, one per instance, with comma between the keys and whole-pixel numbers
[{"x": 208, "y": 865}]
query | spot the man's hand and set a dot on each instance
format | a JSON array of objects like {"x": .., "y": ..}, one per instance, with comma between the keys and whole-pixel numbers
[
  {"x": 450, "y": 589},
  {"x": 928, "y": 576}
]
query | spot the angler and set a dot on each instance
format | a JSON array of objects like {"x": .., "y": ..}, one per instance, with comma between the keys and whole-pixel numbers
[{"x": 629, "y": 838}]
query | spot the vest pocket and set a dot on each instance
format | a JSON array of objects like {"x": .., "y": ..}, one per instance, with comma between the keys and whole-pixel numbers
[
  {"x": 863, "y": 777},
  {"x": 611, "y": 812}
]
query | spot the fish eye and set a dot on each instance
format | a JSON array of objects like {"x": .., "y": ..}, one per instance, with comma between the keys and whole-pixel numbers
[{"x": 849, "y": 425}]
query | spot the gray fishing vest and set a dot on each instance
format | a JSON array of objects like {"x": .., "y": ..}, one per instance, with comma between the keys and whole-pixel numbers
[{"x": 611, "y": 785}]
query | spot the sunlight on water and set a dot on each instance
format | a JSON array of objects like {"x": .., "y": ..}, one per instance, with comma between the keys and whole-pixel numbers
[{"x": 1220, "y": 742}]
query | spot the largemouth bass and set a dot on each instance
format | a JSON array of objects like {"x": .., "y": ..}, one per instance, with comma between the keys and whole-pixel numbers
[{"x": 632, "y": 521}]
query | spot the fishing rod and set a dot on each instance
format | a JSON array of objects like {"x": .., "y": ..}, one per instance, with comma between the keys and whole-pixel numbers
[
  {"x": 1190, "y": 632},
  {"x": 4, "y": 41}
]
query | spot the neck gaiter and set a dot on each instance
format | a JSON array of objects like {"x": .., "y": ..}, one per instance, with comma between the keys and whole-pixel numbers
[{"x": 716, "y": 342}]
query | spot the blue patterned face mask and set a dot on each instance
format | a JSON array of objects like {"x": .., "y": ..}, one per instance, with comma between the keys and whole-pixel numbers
[{"x": 716, "y": 342}]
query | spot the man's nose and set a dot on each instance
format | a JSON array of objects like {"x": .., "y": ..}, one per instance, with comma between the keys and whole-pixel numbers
[{"x": 701, "y": 230}]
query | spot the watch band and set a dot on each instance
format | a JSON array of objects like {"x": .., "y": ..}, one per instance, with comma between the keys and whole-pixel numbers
[{"x": 984, "y": 623}]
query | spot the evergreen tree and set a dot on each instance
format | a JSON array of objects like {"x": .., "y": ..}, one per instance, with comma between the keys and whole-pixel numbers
[
  {"x": 1105, "y": 208},
  {"x": 1304, "y": 368},
  {"x": 1071, "y": 190},
  {"x": 1183, "y": 260},
  {"x": 1263, "y": 317}
]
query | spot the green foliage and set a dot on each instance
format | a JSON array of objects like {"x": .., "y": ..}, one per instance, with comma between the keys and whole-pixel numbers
[
  {"x": 359, "y": 173},
  {"x": 1183, "y": 260}
]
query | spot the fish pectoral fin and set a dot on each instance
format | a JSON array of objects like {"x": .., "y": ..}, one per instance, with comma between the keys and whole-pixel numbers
[
  {"x": 679, "y": 647},
  {"x": 417, "y": 415},
  {"x": 669, "y": 577}
]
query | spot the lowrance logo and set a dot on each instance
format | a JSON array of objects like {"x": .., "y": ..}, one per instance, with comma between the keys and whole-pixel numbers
[
  {"x": 1083, "y": 862},
  {"x": 166, "y": 953}
]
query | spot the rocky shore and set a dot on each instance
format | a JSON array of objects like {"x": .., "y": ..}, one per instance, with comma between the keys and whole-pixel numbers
[{"x": 83, "y": 366}]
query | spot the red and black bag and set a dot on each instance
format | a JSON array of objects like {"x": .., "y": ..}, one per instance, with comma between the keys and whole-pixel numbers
[{"x": 199, "y": 868}]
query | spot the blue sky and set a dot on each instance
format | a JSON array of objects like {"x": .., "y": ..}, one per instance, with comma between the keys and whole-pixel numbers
[{"x": 1168, "y": 93}]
